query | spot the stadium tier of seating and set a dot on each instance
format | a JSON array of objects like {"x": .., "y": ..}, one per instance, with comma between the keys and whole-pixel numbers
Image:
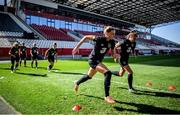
[
  {"x": 48, "y": 43},
  {"x": 52, "y": 33},
  {"x": 89, "y": 33},
  {"x": 4, "y": 42},
  {"x": 7, "y": 24},
  {"x": 148, "y": 41},
  {"x": 10, "y": 34}
]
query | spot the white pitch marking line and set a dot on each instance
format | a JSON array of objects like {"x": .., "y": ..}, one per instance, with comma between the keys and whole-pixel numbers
[
  {"x": 140, "y": 87},
  {"x": 135, "y": 86},
  {"x": 2, "y": 77}
]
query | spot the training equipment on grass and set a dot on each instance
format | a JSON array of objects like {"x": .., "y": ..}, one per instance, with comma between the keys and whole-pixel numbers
[
  {"x": 76, "y": 108},
  {"x": 149, "y": 84},
  {"x": 171, "y": 87}
]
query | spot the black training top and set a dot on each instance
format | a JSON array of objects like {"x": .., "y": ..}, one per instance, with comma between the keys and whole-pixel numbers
[
  {"x": 100, "y": 48},
  {"x": 14, "y": 51},
  {"x": 23, "y": 49},
  {"x": 126, "y": 47},
  {"x": 34, "y": 50},
  {"x": 52, "y": 52}
]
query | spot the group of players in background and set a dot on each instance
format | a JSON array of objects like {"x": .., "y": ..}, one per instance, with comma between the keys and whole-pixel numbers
[
  {"x": 102, "y": 44},
  {"x": 19, "y": 53}
]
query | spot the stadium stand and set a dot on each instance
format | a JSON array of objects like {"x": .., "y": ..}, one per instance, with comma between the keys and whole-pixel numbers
[
  {"x": 10, "y": 34},
  {"x": 8, "y": 24},
  {"x": 4, "y": 42},
  {"x": 68, "y": 35},
  {"x": 48, "y": 43},
  {"x": 89, "y": 33},
  {"x": 52, "y": 33}
]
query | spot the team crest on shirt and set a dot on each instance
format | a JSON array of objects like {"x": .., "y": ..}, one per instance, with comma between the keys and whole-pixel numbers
[
  {"x": 127, "y": 45},
  {"x": 102, "y": 44}
]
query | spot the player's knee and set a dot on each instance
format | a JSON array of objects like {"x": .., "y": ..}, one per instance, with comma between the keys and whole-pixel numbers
[
  {"x": 108, "y": 74},
  {"x": 120, "y": 74},
  {"x": 89, "y": 77},
  {"x": 130, "y": 75},
  {"x": 130, "y": 72}
]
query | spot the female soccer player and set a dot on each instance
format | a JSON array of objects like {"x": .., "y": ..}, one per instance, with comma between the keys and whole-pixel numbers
[
  {"x": 34, "y": 54},
  {"x": 51, "y": 53},
  {"x": 101, "y": 47},
  {"x": 126, "y": 47},
  {"x": 23, "y": 54},
  {"x": 14, "y": 53}
]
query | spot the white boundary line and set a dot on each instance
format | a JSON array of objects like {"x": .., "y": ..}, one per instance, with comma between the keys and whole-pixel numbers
[
  {"x": 11, "y": 107},
  {"x": 125, "y": 84},
  {"x": 159, "y": 90}
]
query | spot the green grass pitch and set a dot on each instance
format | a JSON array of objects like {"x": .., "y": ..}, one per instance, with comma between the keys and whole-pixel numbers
[{"x": 36, "y": 91}]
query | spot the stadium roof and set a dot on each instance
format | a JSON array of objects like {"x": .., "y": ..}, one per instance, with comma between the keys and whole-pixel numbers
[{"x": 143, "y": 12}]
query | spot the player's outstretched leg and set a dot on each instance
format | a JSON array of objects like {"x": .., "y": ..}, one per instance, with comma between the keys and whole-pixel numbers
[
  {"x": 83, "y": 79},
  {"x": 130, "y": 78},
  {"x": 24, "y": 62},
  {"x": 36, "y": 64},
  {"x": 20, "y": 62},
  {"x": 86, "y": 77},
  {"x": 12, "y": 66},
  {"x": 32, "y": 63},
  {"x": 17, "y": 64},
  {"x": 119, "y": 73},
  {"x": 107, "y": 83}
]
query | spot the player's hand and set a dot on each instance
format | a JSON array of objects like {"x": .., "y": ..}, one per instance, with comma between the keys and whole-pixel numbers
[
  {"x": 116, "y": 60},
  {"x": 74, "y": 51}
]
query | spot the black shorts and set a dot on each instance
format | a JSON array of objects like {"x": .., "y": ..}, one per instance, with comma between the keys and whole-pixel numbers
[
  {"x": 34, "y": 57},
  {"x": 123, "y": 61},
  {"x": 23, "y": 56},
  {"x": 51, "y": 59},
  {"x": 13, "y": 59},
  {"x": 93, "y": 63}
]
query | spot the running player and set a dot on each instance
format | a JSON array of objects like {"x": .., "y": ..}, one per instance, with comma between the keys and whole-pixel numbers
[
  {"x": 51, "y": 53},
  {"x": 101, "y": 47},
  {"x": 14, "y": 53},
  {"x": 34, "y": 54},
  {"x": 23, "y": 54},
  {"x": 126, "y": 47}
]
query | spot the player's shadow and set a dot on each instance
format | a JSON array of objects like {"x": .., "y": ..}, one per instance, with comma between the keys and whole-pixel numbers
[
  {"x": 154, "y": 93},
  {"x": 32, "y": 74},
  {"x": 92, "y": 96},
  {"x": 4, "y": 68},
  {"x": 70, "y": 73},
  {"x": 144, "y": 108},
  {"x": 44, "y": 68},
  {"x": 141, "y": 108}
]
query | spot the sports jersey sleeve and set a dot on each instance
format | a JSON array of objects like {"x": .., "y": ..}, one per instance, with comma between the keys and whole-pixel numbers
[
  {"x": 96, "y": 39},
  {"x": 122, "y": 43}
]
